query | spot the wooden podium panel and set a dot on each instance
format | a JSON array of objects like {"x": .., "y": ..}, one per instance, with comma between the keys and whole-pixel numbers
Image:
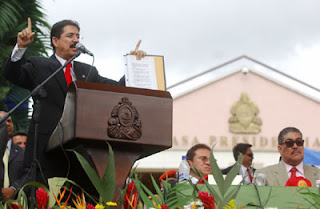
[{"x": 86, "y": 117}]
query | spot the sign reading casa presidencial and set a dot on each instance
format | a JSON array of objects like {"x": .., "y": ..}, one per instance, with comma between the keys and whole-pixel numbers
[{"x": 260, "y": 143}]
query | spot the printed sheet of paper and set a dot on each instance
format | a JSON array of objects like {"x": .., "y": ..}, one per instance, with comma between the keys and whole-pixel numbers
[{"x": 146, "y": 73}]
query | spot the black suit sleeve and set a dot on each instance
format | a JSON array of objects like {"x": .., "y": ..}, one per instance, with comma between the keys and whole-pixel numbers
[
  {"x": 93, "y": 75},
  {"x": 100, "y": 79},
  {"x": 226, "y": 170},
  {"x": 21, "y": 73}
]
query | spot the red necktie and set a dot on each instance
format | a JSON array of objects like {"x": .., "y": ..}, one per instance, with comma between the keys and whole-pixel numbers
[
  {"x": 67, "y": 74},
  {"x": 293, "y": 172},
  {"x": 249, "y": 174}
]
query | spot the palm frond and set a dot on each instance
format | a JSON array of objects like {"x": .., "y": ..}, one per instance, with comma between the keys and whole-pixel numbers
[
  {"x": 10, "y": 12},
  {"x": 13, "y": 19}
]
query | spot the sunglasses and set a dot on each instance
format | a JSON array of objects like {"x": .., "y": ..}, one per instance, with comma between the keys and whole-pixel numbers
[
  {"x": 290, "y": 142},
  {"x": 250, "y": 155}
]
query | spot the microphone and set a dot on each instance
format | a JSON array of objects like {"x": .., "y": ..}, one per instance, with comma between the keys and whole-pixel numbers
[{"x": 83, "y": 49}]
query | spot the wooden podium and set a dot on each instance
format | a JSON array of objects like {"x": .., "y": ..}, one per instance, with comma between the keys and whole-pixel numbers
[{"x": 135, "y": 122}]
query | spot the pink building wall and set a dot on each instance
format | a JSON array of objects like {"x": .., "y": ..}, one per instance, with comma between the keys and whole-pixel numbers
[{"x": 201, "y": 116}]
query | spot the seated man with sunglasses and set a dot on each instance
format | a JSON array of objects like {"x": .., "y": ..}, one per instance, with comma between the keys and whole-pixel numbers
[
  {"x": 291, "y": 149},
  {"x": 246, "y": 171}
]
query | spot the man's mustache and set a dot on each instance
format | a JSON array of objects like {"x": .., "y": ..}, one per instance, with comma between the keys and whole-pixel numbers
[
  {"x": 295, "y": 151},
  {"x": 73, "y": 45}
]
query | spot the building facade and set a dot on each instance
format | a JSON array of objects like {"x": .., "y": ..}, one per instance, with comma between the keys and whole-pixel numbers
[{"x": 242, "y": 100}]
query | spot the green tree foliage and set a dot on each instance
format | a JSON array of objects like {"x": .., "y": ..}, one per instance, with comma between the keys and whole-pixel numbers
[{"x": 13, "y": 19}]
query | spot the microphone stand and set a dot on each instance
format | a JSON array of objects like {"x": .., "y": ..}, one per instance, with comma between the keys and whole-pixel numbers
[{"x": 37, "y": 93}]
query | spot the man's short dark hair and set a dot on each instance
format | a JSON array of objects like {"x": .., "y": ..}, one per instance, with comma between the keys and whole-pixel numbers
[
  {"x": 240, "y": 148},
  {"x": 191, "y": 152},
  {"x": 284, "y": 131},
  {"x": 57, "y": 29},
  {"x": 19, "y": 133}
]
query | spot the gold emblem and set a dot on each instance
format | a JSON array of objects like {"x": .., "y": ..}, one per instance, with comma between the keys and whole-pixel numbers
[{"x": 244, "y": 117}]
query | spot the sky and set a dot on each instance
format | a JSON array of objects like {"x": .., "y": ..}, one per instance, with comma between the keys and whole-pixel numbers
[{"x": 196, "y": 35}]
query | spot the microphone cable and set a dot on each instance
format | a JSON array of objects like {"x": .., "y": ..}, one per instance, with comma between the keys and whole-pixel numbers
[
  {"x": 90, "y": 69},
  {"x": 61, "y": 137}
]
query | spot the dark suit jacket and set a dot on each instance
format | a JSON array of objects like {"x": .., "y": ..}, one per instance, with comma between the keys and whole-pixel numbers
[
  {"x": 3, "y": 145},
  {"x": 226, "y": 170},
  {"x": 28, "y": 74},
  {"x": 15, "y": 166}
]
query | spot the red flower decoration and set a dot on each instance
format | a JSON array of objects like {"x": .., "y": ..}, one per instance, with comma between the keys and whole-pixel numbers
[
  {"x": 201, "y": 181},
  {"x": 15, "y": 206},
  {"x": 207, "y": 200},
  {"x": 42, "y": 198},
  {"x": 132, "y": 187},
  {"x": 131, "y": 197},
  {"x": 298, "y": 182},
  {"x": 164, "y": 207},
  {"x": 89, "y": 206}
]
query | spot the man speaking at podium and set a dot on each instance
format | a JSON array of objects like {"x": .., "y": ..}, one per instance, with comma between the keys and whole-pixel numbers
[{"x": 30, "y": 73}]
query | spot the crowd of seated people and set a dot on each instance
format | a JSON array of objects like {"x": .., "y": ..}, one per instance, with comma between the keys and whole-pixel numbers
[{"x": 289, "y": 168}]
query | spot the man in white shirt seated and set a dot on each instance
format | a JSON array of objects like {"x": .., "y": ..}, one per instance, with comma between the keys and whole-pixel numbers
[{"x": 291, "y": 149}]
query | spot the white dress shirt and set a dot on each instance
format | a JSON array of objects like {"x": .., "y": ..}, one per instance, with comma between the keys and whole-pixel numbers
[
  {"x": 245, "y": 175},
  {"x": 300, "y": 171}
]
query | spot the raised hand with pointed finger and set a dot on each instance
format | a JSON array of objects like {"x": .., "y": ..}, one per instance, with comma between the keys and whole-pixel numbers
[{"x": 25, "y": 37}]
